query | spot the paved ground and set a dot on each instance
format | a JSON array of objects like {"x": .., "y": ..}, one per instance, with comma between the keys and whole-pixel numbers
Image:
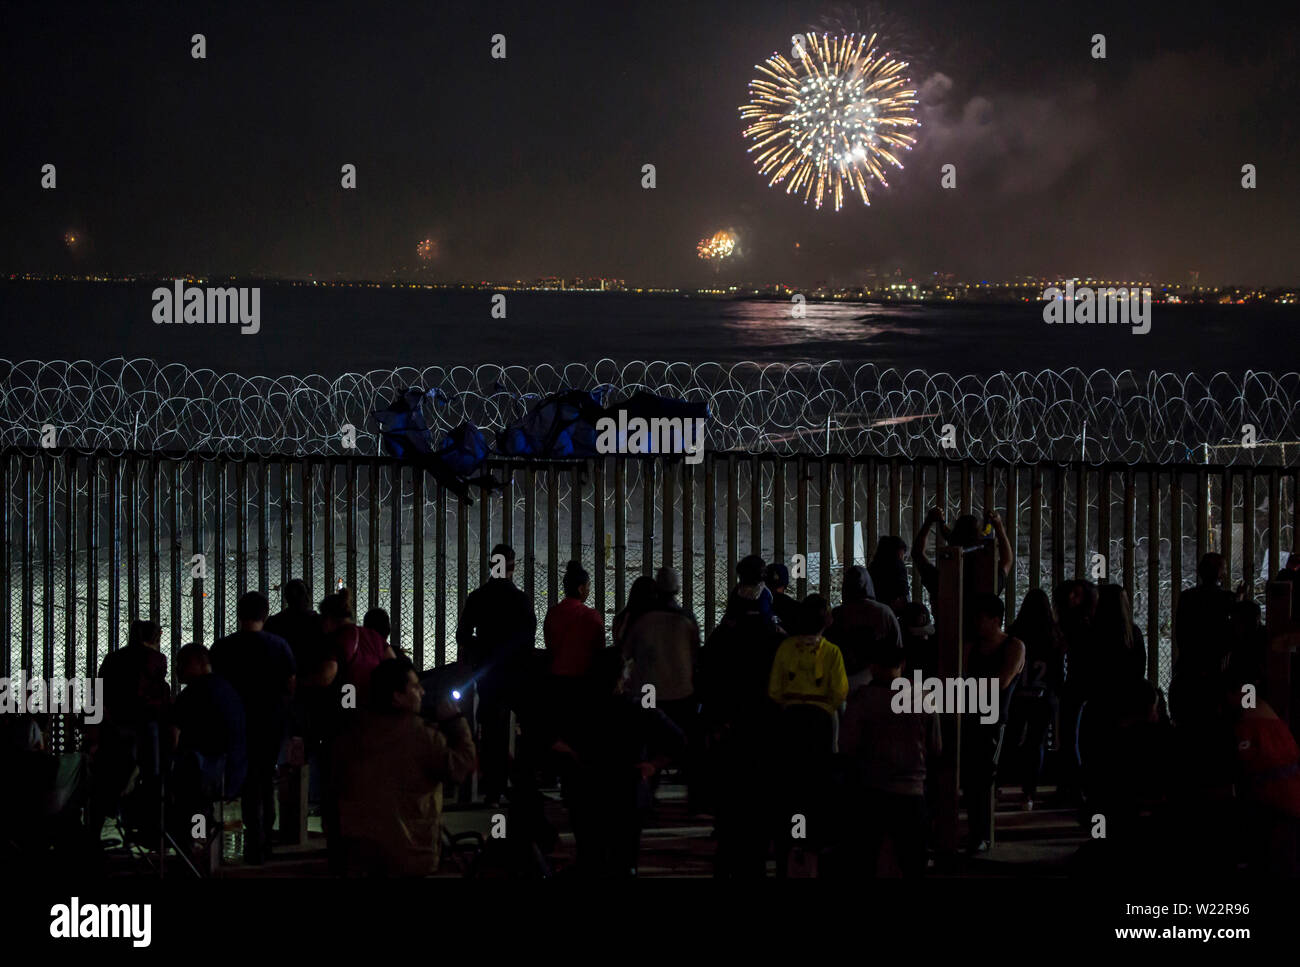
[{"x": 675, "y": 844}]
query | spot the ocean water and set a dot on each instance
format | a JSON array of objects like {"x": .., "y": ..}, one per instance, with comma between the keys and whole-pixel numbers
[{"x": 330, "y": 330}]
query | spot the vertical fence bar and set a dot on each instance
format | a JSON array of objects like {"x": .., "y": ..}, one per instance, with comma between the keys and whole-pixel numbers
[
  {"x": 600, "y": 562},
  {"x": 1226, "y": 499},
  {"x": 620, "y": 534},
  {"x": 1202, "y": 514},
  {"x": 395, "y": 550},
  {"x": 647, "y": 467},
  {"x": 1012, "y": 525},
  {"x": 114, "y": 553},
  {"x": 733, "y": 513},
  {"x": 941, "y": 469},
  {"x": 328, "y": 467},
  {"x": 241, "y": 528},
  {"x": 353, "y": 471},
  {"x": 484, "y": 538},
  {"x": 196, "y": 510},
  {"x": 1081, "y": 522},
  {"x": 264, "y": 526},
  {"x": 155, "y": 538},
  {"x": 287, "y": 569},
  {"x": 417, "y": 567},
  {"x": 178, "y": 548},
  {"x": 372, "y": 562},
  {"x": 27, "y": 657},
  {"x": 1248, "y": 532},
  {"x": 965, "y": 470},
  {"x": 918, "y": 511},
  {"x": 507, "y": 507},
  {"x": 872, "y": 517},
  {"x": 688, "y": 537},
  {"x": 7, "y": 563},
  {"x": 846, "y": 556},
  {"x": 440, "y": 576},
  {"x": 309, "y": 529},
  {"x": 219, "y": 551},
  {"x": 552, "y": 534},
  {"x": 1035, "y": 526},
  {"x": 755, "y": 506},
  {"x": 710, "y": 545},
  {"x": 1130, "y": 528},
  {"x": 575, "y": 511},
  {"x": 133, "y": 539},
  {"x": 895, "y": 502},
  {"x": 47, "y": 565},
  {"x": 801, "y": 523},
  {"x": 462, "y": 556},
  {"x": 824, "y": 531},
  {"x": 69, "y": 567},
  {"x": 1274, "y": 524},
  {"x": 778, "y": 510},
  {"x": 1153, "y": 576},
  {"x": 1058, "y": 526},
  {"x": 1103, "y": 522},
  {"x": 669, "y": 509},
  {"x": 1175, "y": 553}
]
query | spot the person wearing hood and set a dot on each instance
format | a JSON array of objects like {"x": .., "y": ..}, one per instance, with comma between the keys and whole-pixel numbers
[{"x": 860, "y": 624}]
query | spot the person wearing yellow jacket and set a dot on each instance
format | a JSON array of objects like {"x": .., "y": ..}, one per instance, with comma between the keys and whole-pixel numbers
[{"x": 808, "y": 669}]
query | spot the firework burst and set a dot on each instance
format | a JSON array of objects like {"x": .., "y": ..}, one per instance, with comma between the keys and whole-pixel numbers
[
  {"x": 832, "y": 120},
  {"x": 717, "y": 246},
  {"x": 427, "y": 250}
]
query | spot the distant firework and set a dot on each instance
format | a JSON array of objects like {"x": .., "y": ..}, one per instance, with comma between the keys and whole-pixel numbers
[
  {"x": 831, "y": 119},
  {"x": 427, "y": 250},
  {"x": 70, "y": 239},
  {"x": 718, "y": 246}
]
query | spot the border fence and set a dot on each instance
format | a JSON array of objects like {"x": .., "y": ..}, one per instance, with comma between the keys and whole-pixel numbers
[{"x": 92, "y": 540}]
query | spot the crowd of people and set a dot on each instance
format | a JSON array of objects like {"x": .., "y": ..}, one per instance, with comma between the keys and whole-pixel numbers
[{"x": 784, "y": 725}]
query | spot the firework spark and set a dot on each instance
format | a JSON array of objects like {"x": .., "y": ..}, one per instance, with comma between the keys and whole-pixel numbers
[
  {"x": 716, "y": 247},
  {"x": 832, "y": 120},
  {"x": 427, "y": 250}
]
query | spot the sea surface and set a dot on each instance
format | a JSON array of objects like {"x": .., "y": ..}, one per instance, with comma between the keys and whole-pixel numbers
[{"x": 333, "y": 330}]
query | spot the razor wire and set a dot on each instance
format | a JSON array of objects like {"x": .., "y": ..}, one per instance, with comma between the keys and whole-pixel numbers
[{"x": 1123, "y": 416}]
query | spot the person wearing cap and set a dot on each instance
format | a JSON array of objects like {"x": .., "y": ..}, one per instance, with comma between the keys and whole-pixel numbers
[
  {"x": 860, "y": 622},
  {"x": 777, "y": 579},
  {"x": 664, "y": 645}
]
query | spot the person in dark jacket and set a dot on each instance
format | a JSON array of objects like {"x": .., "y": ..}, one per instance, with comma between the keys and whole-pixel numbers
[{"x": 496, "y": 635}]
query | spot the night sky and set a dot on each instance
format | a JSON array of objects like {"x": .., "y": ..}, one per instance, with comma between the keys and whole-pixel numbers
[{"x": 531, "y": 165}]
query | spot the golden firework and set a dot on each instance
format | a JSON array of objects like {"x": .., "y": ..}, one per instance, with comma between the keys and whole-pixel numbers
[{"x": 832, "y": 119}]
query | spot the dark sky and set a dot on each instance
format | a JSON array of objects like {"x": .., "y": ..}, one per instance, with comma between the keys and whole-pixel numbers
[{"x": 531, "y": 165}]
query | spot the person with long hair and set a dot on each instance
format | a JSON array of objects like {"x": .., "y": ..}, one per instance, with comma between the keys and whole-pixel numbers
[
  {"x": 1036, "y": 703},
  {"x": 888, "y": 571}
]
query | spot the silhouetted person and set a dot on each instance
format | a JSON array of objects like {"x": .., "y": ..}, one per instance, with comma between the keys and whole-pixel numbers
[
  {"x": 296, "y": 623},
  {"x": 261, "y": 668},
  {"x": 886, "y": 747},
  {"x": 643, "y": 597},
  {"x": 860, "y": 622},
  {"x": 1036, "y": 702},
  {"x": 609, "y": 748},
  {"x": 377, "y": 620},
  {"x": 1201, "y": 624},
  {"x": 997, "y": 656},
  {"x": 209, "y": 733},
  {"x": 750, "y": 593},
  {"x": 390, "y": 766},
  {"x": 966, "y": 532},
  {"x": 888, "y": 569},
  {"x": 495, "y": 634},
  {"x": 135, "y": 697},
  {"x": 574, "y": 635},
  {"x": 777, "y": 579}
]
